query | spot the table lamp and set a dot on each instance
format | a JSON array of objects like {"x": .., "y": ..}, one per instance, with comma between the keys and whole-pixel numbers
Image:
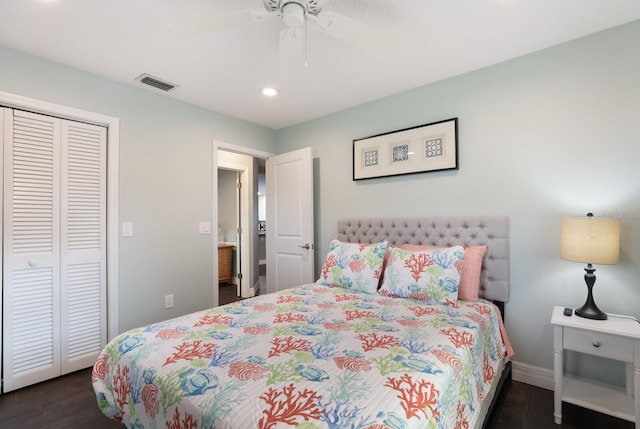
[{"x": 592, "y": 241}]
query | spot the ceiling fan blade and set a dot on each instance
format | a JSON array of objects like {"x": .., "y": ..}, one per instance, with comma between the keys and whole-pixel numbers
[
  {"x": 219, "y": 21},
  {"x": 354, "y": 31},
  {"x": 292, "y": 50}
]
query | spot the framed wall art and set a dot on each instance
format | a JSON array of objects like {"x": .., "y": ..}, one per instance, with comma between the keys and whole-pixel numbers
[{"x": 429, "y": 147}]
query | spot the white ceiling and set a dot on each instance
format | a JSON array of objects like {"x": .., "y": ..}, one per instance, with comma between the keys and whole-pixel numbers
[{"x": 224, "y": 70}]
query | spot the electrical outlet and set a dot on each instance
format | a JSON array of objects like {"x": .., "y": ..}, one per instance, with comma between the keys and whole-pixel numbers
[{"x": 168, "y": 301}]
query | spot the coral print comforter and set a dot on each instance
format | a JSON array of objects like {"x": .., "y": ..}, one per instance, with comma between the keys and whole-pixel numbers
[{"x": 307, "y": 357}]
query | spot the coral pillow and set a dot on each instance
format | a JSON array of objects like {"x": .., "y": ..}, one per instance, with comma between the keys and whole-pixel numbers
[
  {"x": 426, "y": 275},
  {"x": 353, "y": 266},
  {"x": 418, "y": 247},
  {"x": 470, "y": 277}
]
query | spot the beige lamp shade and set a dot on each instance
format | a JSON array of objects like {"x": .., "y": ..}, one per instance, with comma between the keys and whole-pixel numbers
[{"x": 590, "y": 240}]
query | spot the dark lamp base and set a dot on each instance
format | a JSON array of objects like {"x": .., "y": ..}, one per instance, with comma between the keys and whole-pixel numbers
[{"x": 591, "y": 311}]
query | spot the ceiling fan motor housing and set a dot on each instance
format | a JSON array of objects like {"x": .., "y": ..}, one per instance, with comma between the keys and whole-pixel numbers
[{"x": 293, "y": 12}]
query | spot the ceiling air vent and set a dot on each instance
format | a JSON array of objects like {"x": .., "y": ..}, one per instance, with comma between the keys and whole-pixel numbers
[{"x": 153, "y": 81}]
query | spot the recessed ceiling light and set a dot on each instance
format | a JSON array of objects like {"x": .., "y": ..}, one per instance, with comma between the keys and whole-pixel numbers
[{"x": 269, "y": 92}]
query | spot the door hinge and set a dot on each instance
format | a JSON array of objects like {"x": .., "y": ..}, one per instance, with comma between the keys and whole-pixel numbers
[
  {"x": 240, "y": 231},
  {"x": 239, "y": 276},
  {"x": 239, "y": 185}
]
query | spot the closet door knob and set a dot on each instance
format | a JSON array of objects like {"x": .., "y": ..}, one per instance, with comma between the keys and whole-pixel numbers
[
  {"x": 596, "y": 343},
  {"x": 33, "y": 262}
]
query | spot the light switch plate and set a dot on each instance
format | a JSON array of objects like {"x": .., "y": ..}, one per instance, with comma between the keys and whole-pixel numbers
[
  {"x": 127, "y": 229},
  {"x": 204, "y": 228},
  {"x": 168, "y": 301}
]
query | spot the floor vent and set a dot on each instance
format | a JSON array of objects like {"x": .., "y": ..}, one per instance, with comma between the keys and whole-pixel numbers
[{"x": 153, "y": 81}]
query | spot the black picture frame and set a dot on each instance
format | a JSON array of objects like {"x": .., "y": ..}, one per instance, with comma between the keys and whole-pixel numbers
[{"x": 419, "y": 149}]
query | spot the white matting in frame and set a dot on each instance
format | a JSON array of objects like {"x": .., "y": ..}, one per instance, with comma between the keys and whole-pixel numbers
[{"x": 429, "y": 147}]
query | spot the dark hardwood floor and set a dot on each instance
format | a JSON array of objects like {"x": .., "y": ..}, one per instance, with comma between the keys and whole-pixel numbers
[
  {"x": 227, "y": 293},
  {"x": 68, "y": 402},
  {"x": 530, "y": 407}
]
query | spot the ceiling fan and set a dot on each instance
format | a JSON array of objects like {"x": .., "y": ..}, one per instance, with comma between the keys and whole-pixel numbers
[{"x": 295, "y": 15}]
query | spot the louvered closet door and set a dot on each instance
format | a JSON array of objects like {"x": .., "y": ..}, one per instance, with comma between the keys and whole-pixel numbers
[
  {"x": 31, "y": 277},
  {"x": 55, "y": 249},
  {"x": 83, "y": 250}
]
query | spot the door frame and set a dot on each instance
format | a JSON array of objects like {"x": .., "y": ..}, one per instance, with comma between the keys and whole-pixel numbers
[
  {"x": 113, "y": 155},
  {"x": 220, "y": 145}
]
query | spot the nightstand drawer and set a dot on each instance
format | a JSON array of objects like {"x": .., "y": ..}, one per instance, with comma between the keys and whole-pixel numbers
[{"x": 598, "y": 344}]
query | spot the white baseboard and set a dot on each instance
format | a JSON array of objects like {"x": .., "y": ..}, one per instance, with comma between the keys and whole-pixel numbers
[{"x": 534, "y": 375}]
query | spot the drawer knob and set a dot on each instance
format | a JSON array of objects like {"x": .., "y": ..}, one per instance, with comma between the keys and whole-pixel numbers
[{"x": 596, "y": 343}]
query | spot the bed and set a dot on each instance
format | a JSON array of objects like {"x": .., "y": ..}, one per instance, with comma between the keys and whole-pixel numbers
[{"x": 363, "y": 347}]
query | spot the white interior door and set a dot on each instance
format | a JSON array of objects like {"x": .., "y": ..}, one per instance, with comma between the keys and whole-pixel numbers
[{"x": 290, "y": 222}]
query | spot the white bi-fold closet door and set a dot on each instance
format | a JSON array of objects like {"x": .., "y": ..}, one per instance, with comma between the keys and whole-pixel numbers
[{"x": 54, "y": 246}]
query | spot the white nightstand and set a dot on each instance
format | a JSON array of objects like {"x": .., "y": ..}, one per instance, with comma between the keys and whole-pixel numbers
[{"x": 614, "y": 338}]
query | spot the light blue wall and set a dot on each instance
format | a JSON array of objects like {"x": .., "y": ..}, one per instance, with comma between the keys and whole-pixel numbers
[
  {"x": 548, "y": 135},
  {"x": 165, "y": 180}
]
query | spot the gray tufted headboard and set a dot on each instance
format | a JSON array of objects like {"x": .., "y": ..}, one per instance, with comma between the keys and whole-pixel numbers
[{"x": 492, "y": 231}]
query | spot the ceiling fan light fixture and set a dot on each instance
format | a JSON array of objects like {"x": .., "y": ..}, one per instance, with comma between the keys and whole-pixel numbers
[{"x": 293, "y": 14}]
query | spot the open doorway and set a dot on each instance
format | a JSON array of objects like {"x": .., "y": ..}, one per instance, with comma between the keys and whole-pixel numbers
[
  {"x": 235, "y": 205},
  {"x": 245, "y": 238},
  {"x": 233, "y": 213},
  {"x": 230, "y": 212}
]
